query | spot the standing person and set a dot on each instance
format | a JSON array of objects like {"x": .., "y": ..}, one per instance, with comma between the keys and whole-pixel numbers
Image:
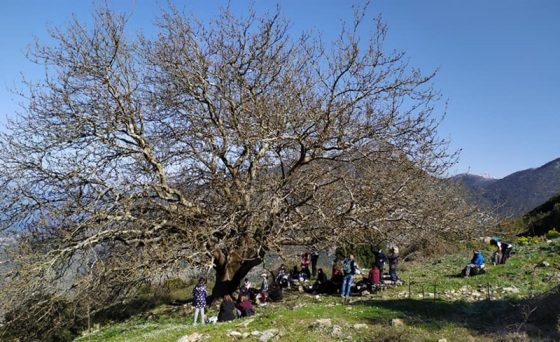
[
  {"x": 380, "y": 260},
  {"x": 503, "y": 248},
  {"x": 227, "y": 310},
  {"x": 305, "y": 259},
  {"x": 264, "y": 288},
  {"x": 348, "y": 270},
  {"x": 393, "y": 259},
  {"x": 314, "y": 259},
  {"x": 374, "y": 275},
  {"x": 199, "y": 300}
]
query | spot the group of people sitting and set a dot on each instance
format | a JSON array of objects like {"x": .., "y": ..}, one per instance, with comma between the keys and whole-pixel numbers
[
  {"x": 342, "y": 275},
  {"x": 241, "y": 303},
  {"x": 235, "y": 305},
  {"x": 499, "y": 256}
]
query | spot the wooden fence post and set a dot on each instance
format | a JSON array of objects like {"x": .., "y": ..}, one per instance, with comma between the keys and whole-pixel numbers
[{"x": 409, "y": 294}]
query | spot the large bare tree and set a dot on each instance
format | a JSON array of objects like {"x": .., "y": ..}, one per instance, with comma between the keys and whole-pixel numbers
[{"x": 210, "y": 145}]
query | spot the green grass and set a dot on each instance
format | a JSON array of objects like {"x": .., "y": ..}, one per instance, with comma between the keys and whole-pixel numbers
[
  {"x": 425, "y": 319},
  {"x": 522, "y": 271}
]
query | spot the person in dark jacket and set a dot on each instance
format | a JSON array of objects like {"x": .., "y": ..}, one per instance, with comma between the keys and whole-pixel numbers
[
  {"x": 244, "y": 289},
  {"x": 503, "y": 248},
  {"x": 393, "y": 259},
  {"x": 314, "y": 260},
  {"x": 380, "y": 260},
  {"x": 321, "y": 281},
  {"x": 227, "y": 310}
]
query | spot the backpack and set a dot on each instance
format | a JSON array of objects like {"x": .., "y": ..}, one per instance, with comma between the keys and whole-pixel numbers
[{"x": 347, "y": 267}]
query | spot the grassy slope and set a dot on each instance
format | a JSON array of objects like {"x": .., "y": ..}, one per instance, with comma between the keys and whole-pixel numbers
[{"x": 454, "y": 316}]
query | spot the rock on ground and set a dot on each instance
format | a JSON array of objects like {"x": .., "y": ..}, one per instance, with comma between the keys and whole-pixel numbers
[
  {"x": 235, "y": 334},
  {"x": 321, "y": 323},
  {"x": 245, "y": 323},
  {"x": 195, "y": 337},
  {"x": 511, "y": 289},
  {"x": 268, "y": 334},
  {"x": 359, "y": 326},
  {"x": 336, "y": 331},
  {"x": 397, "y": 322}
]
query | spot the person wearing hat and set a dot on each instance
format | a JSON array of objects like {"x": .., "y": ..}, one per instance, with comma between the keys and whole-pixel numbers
[{"x": 476, "y": 264}]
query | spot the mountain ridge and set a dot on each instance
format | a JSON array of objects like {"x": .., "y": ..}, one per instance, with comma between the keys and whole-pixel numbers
[{"x": 517, "y": 193}]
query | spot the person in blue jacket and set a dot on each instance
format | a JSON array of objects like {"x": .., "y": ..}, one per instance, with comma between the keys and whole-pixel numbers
[{"x": 476, "y": 264}]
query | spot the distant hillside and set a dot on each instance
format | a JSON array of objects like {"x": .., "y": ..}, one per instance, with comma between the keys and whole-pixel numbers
[
  {"x": 544, "y": 217},
  {"x": 473, "y": 181},
  {"x": 517, "y": 193}
]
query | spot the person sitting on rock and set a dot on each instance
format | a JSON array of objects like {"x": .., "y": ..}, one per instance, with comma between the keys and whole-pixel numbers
[
  {"x": 283, "y": 278},
  {"x": 294, "y": 275},
  {"x": 319, "y": 285},
  {"x": 304, "y": 273},
  {"x": 475, "y": 266},
  {"x": 245, "y": 287},
  {"x": 336, "y": 275}
]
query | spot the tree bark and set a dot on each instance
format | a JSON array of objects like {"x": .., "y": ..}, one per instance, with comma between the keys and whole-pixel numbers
[{"x": 230, "y": 270}]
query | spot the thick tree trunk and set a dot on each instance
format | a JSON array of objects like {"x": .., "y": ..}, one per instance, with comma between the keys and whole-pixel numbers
[{"x": 231, "y": 269}]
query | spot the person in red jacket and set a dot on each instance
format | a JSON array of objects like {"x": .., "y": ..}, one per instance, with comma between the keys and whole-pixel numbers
[
  {"x": 245, "y": 307},
  {"x": 374, "y": 275}
]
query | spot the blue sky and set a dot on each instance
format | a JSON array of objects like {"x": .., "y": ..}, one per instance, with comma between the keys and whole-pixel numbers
[{"x": 498, "y": 61}]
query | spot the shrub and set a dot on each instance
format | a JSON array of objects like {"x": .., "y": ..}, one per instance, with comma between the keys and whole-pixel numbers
[
  {"x": 528, "y": 240},
  {"x": 552, "y": 234}
]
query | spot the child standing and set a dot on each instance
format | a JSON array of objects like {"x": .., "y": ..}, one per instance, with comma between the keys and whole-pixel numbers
[{"x": 199, "y": 299}]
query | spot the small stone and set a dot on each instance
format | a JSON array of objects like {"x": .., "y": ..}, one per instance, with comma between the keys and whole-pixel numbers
[
  {"x": 544, "y": 264},
  {"x": 321, "y": 323},
  {"x": 336, "y": 331},
  {"x": 246, "y": 334},
  {"x": 511, "y": 289},
  {"x": 245, "y": 323},
  {"x": 256, "y": 333},
  {"x": 359, "y": 326},
  {"x": 268, "y": 334},
  {"x": 235, "y": 334},
  {"x": 195, "y": 337},
  {"x": 442, "y": 340},
  {"x": 397, "y": 322}
]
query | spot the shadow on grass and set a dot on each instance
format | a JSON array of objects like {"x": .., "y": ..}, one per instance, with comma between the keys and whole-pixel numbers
[{"x": 537, "y": 317}]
